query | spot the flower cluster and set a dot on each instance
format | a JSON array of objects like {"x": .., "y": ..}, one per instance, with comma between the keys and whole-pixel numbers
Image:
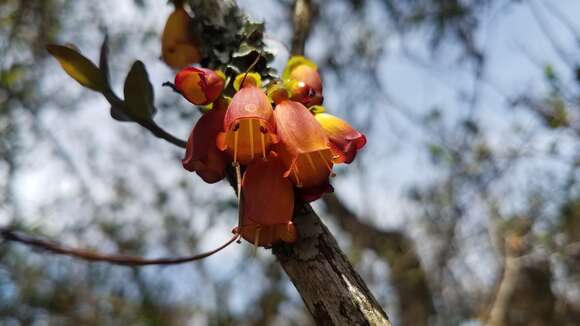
[{"x": 281, "y": 139}]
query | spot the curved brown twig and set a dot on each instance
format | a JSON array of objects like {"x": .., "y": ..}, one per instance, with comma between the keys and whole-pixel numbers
[{"x": 92, "y": 256}]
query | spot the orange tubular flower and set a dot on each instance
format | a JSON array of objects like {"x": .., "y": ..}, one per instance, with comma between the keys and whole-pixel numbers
[
  {"x": 268, "y": 203},
  {"x": 177, "y": 48},
  {"x": 267, "y": 235},
  {"x": 303, "y": 146},
  {"x": 303, "y": 81},
  {"x": 345, "y": 141},
  {"x": 202, "y": 155},
  {"x": 199, "y": 86},
  {"x": 249, "y": 126}
]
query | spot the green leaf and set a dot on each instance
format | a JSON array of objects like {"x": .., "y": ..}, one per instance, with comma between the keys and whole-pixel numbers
[
  {"x": 549, "y": 72},
  {"x": 253, "y": 29},
  {"x": 139, "y": 93},
  {"x": 437, "y": 152},
  {"x": 244, "y": 50},
  {"x": 78, "y": 67}
]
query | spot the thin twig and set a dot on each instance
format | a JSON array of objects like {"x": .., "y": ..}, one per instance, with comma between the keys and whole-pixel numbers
[
  {"x": 302, "y": 18},
  {"x": 161, "y": 133},
  {"x": 250, "y": 68},
  {"x": 172, "y": 86},
  {"x": 91, "y": 256},
  {"x": 150, "y": 125}
]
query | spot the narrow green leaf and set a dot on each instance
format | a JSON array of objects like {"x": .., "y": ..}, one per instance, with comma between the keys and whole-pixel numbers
[
  {"x": 104, "y": 58},
  {"x": 78, "y": 67},
  {"x": 139, "y": 93}
]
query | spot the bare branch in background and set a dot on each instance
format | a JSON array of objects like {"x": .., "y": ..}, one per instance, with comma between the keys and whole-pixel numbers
[
  {"x": 301, "y": 19},
  {"x": 499, "y": 309}
]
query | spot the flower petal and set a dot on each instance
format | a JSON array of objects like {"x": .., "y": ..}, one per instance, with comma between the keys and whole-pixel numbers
[
  {"x": 268, "y": 235},
  {"x": 202, "y": 155},
  {"x": 249, "y": 126},
  {"x": 268, "y": 204},
  {"x": 298, "y": 130},
  {"x": 314, "y": 193},
  {"x": 268, "y": 197},
  {"x": 248, "y": 102},
  {"x": 345, "y": 141},
  {"x": 304, "y": 146}
]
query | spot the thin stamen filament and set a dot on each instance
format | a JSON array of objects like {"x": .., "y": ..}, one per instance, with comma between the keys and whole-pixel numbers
[
  {"x": 251, "y": 122},
  {"x": 239, "y": 192},
  {"x": 327, "y": 164},
  {"x": 263, "y": 144},
  {"x": 311, "y": 161},
  {"x": 236, "y": 146},
  {"x": 296, "y": 173}
]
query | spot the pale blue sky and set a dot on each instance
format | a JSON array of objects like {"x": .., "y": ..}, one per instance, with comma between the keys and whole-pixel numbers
[{"x": 395, "y": 156}]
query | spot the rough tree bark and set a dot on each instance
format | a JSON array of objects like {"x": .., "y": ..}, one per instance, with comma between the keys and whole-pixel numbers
[
  {"x": 331, "y": 289},
  {"x": 407, "y": 274}
]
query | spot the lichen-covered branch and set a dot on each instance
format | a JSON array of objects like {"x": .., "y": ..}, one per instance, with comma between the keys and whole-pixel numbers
[
  {"x": 332, "y": 290},
  {"x": 407, "y": 274}
]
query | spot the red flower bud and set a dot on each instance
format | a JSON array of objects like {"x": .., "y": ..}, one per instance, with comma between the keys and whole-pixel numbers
[
  {"x": 303, "y": 81},
  {"x": 199, "y": 86}
]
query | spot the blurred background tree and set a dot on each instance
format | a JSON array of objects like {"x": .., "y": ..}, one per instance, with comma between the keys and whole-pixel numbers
[{"x": 463, "y": 208}]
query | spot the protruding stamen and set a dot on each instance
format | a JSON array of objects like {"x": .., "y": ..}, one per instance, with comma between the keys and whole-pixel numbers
[
  {"x": 296, "y": 173},
  {"x": 311, "y": 161},
  {"x": 236, "y": 143},
  {"x": 332, "y": 174},
  {"x": 263, "y": 132},
  {"x": 251, "y": 122},
  {"x": 239, "y": 187},
  {"x": 239, "y": 193},
  {"x": 263, "y": 147}
]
